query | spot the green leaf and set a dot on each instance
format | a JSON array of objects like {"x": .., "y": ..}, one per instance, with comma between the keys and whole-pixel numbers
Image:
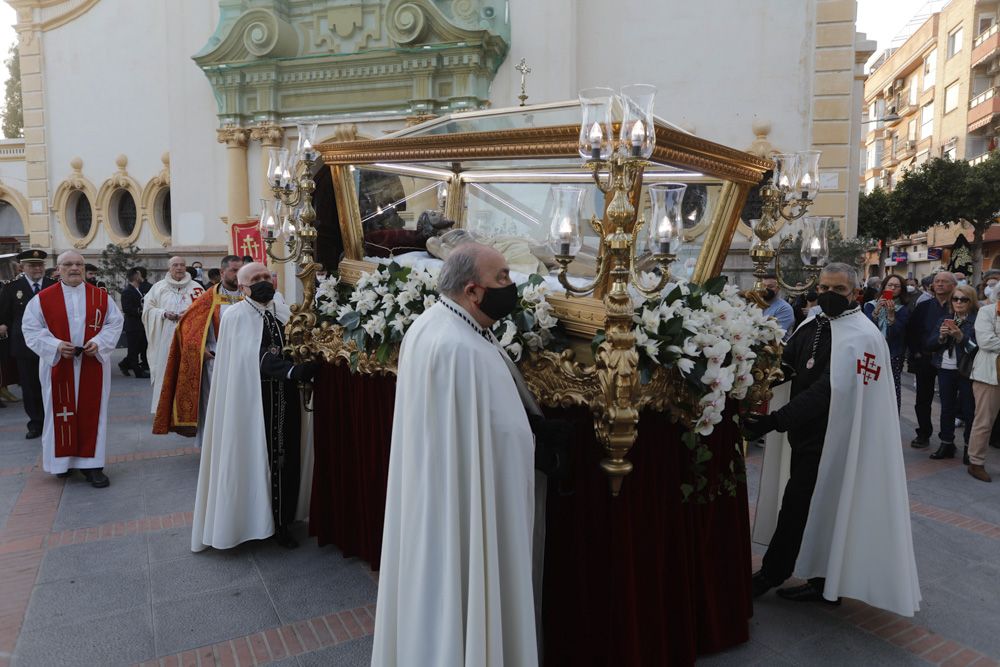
[
  {"x": 714, "y": 285},
  {"x": 354, "y": 362},
  {"x": 686, "y": 491},
  {"x": 645, "y": 371},
  {"x": 597, "y": 340},
  {"x": 703, "y": 454},
  {"x": 535, "y": 279},
  {"x": 350, "y": 321},
  {"x": 382, "y": 355}
]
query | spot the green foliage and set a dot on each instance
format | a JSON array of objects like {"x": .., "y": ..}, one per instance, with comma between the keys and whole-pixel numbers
[
  {"x": 115, "y": 263},
  {"x": 948, "y": 191},
  {"x": 13, "y": 115},
  {"x": 848, "y": 251}
]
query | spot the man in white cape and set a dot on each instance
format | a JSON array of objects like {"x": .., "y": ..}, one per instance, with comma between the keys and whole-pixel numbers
[
  {"x": 455, "y": 584},
  {"x": 248, "y": 481},
  {"x": 844, "y": 519},
  {"x": 74, "y": 328},
  {"x": 162, "y": 307}
]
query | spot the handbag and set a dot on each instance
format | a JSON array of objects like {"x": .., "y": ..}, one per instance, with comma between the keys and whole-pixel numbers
[{"x": 965, "y": 363}]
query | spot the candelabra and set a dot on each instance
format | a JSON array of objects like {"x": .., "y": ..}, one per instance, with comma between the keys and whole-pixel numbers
[
  {"x": 290, "y": 214},
  {"x": 623, "y": 158},
  {"x": 786, "y": 199}
]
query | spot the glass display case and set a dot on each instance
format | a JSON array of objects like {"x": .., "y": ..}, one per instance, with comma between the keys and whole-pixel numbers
[{"x": 493, "y": 172}]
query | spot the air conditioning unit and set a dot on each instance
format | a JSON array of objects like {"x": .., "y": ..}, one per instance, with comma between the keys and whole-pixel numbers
[
  {"x": 911, "y": 145},
  {"x": 883, "y": 173},
  {"x": 898, "y": 84},
  {"x": 993, "y": 67}
]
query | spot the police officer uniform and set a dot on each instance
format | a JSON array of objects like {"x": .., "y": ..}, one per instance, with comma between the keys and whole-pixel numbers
[{"x": 13, "y": 299}]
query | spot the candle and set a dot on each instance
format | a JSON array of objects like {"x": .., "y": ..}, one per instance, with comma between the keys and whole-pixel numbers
[
  {"x": 285, "y": 176},
  {"x": 565, "y": 236},
  {"x": 805, "y": 183},
  {"x": 595, "y": 136},
  {"x": 638, "y": 135},
  {"x": 277, "y": 175},
  {"x": 663, "y": 233},
  {"x": 814, "y": 248}
]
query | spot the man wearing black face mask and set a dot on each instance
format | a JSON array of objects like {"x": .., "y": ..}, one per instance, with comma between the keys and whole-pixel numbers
[
  {"x": 251, "y": 425},
  {"x": 843, "y": 523},
  {"x": 461, "y": 483}
]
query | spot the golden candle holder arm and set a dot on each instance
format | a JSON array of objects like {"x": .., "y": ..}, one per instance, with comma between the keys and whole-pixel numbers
[
  {"x": 794, "y": 290},
  {"x": 663, "y": 261},
  {"x": 601, "y": 268}
]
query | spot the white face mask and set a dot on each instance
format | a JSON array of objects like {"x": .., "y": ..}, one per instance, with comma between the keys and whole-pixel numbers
[
  {"x": 963, "y": 282},
  {"x": 911, "y": 289},
  {"x": 988, "y": 291}
]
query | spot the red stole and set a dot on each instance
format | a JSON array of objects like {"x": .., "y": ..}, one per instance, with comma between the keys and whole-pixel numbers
[{"x": 75, "y": 422}]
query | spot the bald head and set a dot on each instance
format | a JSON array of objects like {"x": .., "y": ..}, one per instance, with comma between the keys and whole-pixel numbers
[
  {"x": 245, "y": 276},
  {"x": 72, "y": 267},
  {"x": 469, "y": 272},
  {"x": 177, "y": 268}
]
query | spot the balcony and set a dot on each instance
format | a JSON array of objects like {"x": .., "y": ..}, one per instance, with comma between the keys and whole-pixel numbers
[
  {"x": 11, "y": 150},
  {"x": 982, "y": 108},
  {"x": 980, "y": 158},
  {"x": 986, "y": 45}
]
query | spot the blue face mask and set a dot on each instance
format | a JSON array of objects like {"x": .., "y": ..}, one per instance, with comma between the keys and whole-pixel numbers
[{"x": 963, "y": 282}]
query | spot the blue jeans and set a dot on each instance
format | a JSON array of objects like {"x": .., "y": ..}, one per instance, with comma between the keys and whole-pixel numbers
[{"x": 956, "y": 401}]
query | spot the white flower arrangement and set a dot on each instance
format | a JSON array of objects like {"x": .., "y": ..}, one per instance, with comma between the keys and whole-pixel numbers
[
  {"x": 382, "y": 305},
  {"x": 712, "y": 336}
]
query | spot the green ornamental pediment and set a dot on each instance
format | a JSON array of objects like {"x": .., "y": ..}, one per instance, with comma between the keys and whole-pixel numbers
[{"x": 280, "y": 60}]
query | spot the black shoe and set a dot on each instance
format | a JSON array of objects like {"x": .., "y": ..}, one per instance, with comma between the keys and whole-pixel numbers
[
  {"x": 64, "y": 475},
  {"x": 760, "y": 584},
  {"x": 32, "y": 434},
  {"x": 805, "y": 593},
  {"x": 920, "y": 442},
  {"x": 965, "y": 456},
  {"x": 945, "y": 451},
  {"x": 285, "y": 539},
  {"x": 97, "y": 478},
  {"x": 142, "y": 374},
  {"x": 124, "y": 368}
]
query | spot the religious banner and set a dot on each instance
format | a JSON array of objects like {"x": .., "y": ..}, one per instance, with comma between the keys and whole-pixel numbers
[
  {"x": 247, "y": 240},
  {"x": 961, "y": 256}
]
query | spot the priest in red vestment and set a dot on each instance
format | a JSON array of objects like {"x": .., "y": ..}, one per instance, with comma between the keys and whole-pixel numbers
[
  {"x": 74, "y": 327},
  {"x": 187, "y": 376}
]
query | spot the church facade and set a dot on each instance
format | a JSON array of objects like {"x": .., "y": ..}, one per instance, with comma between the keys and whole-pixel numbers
[{"x": 149, "y": 122}]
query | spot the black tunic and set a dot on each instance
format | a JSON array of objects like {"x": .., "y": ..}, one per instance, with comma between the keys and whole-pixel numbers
[{"x": 281, "y": 421}]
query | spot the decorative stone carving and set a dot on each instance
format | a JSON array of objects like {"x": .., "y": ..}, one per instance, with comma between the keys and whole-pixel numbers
[
  {"x": 233, "y": 136},
  {"x": 269, "y": 135},
  {"x": 309, "y": 59}
]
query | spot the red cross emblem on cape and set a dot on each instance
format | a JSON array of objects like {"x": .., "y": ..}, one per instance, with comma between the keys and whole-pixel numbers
[
  {"x": 75, "y": 418},
  {"x": 868, "y": 369}
]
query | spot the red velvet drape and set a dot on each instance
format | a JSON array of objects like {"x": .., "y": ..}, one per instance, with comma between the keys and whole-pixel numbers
[{"x": 642, "y": 579}]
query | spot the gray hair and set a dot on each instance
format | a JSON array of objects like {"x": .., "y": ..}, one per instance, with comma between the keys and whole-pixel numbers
[
  {"x": 461, "y": 268},
  {"x": 845, "y": 269}
]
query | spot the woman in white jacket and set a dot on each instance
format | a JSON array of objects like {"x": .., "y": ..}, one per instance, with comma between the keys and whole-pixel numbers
[{"x": 985, "y": 386}]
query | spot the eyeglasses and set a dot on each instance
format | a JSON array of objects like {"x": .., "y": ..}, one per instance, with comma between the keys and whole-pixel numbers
[{"x": 960, "y": 299}]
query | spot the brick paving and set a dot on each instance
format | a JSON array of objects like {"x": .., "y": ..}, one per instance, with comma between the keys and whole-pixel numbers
[{"x": 106, "y": 577}]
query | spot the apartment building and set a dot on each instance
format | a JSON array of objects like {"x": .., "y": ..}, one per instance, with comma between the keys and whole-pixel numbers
[{"x": 935, "y": 95}]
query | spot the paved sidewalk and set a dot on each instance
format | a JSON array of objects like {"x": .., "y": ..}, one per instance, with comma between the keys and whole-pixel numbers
[{"x": 106, "y": 577}]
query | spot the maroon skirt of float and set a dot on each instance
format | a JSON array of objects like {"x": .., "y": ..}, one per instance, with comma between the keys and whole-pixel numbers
[{"x": 641, "y": 579}]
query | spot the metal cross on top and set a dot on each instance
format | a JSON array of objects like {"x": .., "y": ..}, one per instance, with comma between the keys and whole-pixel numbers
[{"x": 523, "y": 68}]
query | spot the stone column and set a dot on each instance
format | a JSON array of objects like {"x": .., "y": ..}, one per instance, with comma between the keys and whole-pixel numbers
[
  {"x": 238, "y": 200},
  {"x": 270, "y": 136},
  {"x": 36, "y": 225}
]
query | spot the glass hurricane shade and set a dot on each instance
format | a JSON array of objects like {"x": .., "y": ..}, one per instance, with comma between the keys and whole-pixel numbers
[
  {"x": 277, "y": 167},
  {"x": 637, "y": 135},
  {"x": 808, "y": 175},
  {"x": 307, "y": 137},
  {"x": 268, "y": 218},
  {"x": 564, "y": 228},
  {"x": 815, "y": 248},
  {"x": 595, "y": 130},
  {"x": 666, "y": 225},
  {"x": 797, "y": 174}
]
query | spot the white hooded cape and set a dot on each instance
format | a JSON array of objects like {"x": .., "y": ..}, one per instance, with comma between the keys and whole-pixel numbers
[
  {"x": 233, "y": 501},
  {"x": 167, "y": 295},
  {"x": 455, "y": 582},
  {"x": 858, "y": 535}
]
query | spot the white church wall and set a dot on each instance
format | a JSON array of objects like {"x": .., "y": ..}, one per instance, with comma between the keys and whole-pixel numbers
[
  {"x": 717, "y": 66},
  {"x": 139, "y": 94}
]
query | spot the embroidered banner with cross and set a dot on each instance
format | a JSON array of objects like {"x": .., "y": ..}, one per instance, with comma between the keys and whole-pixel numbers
[
  {"x": 868, "y": 369},
  {"x": 247, "y": 240},
  {"x": 76, "y": 415}
]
